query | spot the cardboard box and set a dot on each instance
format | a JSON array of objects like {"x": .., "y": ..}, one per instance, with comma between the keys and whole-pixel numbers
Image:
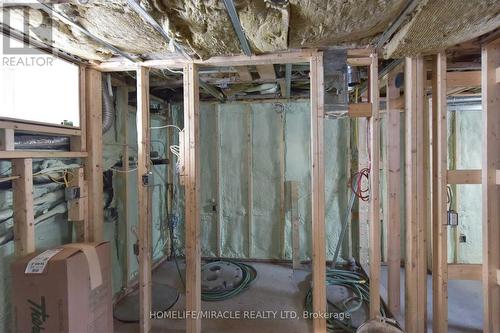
[{"x": 67, "y": 289}]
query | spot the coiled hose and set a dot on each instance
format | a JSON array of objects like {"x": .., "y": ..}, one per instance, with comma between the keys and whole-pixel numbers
[
  {"x": 358, "y": 284},
  {"x": 248, "y": 276}
]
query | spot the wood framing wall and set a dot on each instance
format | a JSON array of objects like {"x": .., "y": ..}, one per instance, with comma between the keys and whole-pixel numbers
[
  {"x": 415, "y": 264},
  {"x": 491, "y": 191},
  {"x": 439, "y": 197},
  {"x": 144, "y": 199}
]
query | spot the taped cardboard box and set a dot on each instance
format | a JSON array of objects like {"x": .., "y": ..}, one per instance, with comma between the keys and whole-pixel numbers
[{"x": 66, "y": 289}]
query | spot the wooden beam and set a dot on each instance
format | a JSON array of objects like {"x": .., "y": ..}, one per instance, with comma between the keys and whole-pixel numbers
[
  {"x": 393, "y": 198},
  {"x": 415, "y": 263},
  {"x": 6, "y": 139},
  {"x": 192, "y": 195},
  {"x": 244, "y": 73},
  {"x": 498, "y": 277},
  {"x": 464, "y": 176},
  {"x": 318, "y": 193},
  {"x": 465, "y": 272},
  {"x": 23, "y": 213},
  {"x": 143, "y": 196},
  {"x": 463, "y": 79},
  {"x": 360, "y": 110},
  {"x": 440, "y": 178},
  {"x": 45, "y": 129},
  {"x": 359, "y": 61},
  {"x": 6, "y": 155},
  {"x": 266, "y": 72},
  {"x": 93, "y": 167},
  {"x": 375, "y": 255},
  {"x": 491, "y": 191}
]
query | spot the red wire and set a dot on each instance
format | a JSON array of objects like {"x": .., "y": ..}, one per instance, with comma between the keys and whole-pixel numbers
[{"x": 363, "y": 193}]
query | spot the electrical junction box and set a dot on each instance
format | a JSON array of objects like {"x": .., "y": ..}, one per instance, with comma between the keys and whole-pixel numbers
[{"x": 452, "y": 219}]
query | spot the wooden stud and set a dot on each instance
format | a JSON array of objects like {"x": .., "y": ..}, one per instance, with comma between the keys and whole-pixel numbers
[
  {"x": 266, "y": 72},
  {"x": 124, "y": 214},
  {"x": 440, "y": 178},
  {"x": 497, "y": 75},
  {"x": 6, "y": 139},
  {"x": 192, "y": 195},
  {"x": 249, "y": 121},
  {"x": 464, "y": 176},
  {"x": 416, "y": 267},
  {"x": 281, "y": 152},
  {"x": 23, "y": 213},
  {"x": 393, "y": 199},
  {"x": 375, "y": 254},
  {"x": 318, "y": 194},
  {"x": 220, "y": 216},
  {"x": 93, "y": 167},
  {"x": 465, "y": 272},
  {"x": 143, "y": 196},
  {"x": 491, "y": 191}
]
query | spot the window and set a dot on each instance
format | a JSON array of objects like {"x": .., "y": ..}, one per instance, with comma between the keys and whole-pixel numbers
[{"x": 39, "y": 88}]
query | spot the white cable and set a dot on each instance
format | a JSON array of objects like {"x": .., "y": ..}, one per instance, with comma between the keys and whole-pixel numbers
[
  {"x": 123, "y": 171},
  {"x": 166, "y": 126}
]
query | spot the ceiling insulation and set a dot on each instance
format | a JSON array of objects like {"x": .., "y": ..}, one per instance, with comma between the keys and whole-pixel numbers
[
  {"x": 320, "y": 23},
  {"x": 53, "y": 32},
  {"x": 439, "y": 24},
  {"x": 203, "y": 27}
]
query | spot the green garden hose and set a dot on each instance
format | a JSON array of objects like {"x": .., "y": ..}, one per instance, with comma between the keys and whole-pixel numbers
[
  {"x": 358, "y": 284},
  {"x": 248, "y": 276}
]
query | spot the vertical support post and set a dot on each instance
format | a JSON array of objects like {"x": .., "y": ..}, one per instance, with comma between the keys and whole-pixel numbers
[
  {"x": 318, "y": 193},
  {"x": 249, "y": 119},
  {"x": 6, "y": 139},
  {"x": 393, "y": 218},
  {"x": 415, "y": 264},
  {"x": 490, "y": 62},
  {"x": 124, "y": 227},
  {"x": 281, "y": 117},
  {"x": 93, "y": 167},
  {"x": 24, "y": 216},
  {"x": 220, "y": 216},
  {"x": 374, "y": 191},
  {"x": 143, "y": 195},
  {"x": 192, "y": 194},
  {"x": 439, "y": 197}
]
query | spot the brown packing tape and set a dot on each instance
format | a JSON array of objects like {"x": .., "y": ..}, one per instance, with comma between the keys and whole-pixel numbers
[{"x": 90, "y": 252}]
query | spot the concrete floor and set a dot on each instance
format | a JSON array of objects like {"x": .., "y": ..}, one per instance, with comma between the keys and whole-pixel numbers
[
  {"x": 465, "y": 304},
  {"x": 278, "y": 287}
]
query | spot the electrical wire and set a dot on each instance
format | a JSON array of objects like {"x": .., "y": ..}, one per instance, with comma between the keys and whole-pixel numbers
[{"x": 166, "y": 126}]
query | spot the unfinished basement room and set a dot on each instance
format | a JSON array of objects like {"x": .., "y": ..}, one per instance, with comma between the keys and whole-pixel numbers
[{"x": 250, "y": 166}]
